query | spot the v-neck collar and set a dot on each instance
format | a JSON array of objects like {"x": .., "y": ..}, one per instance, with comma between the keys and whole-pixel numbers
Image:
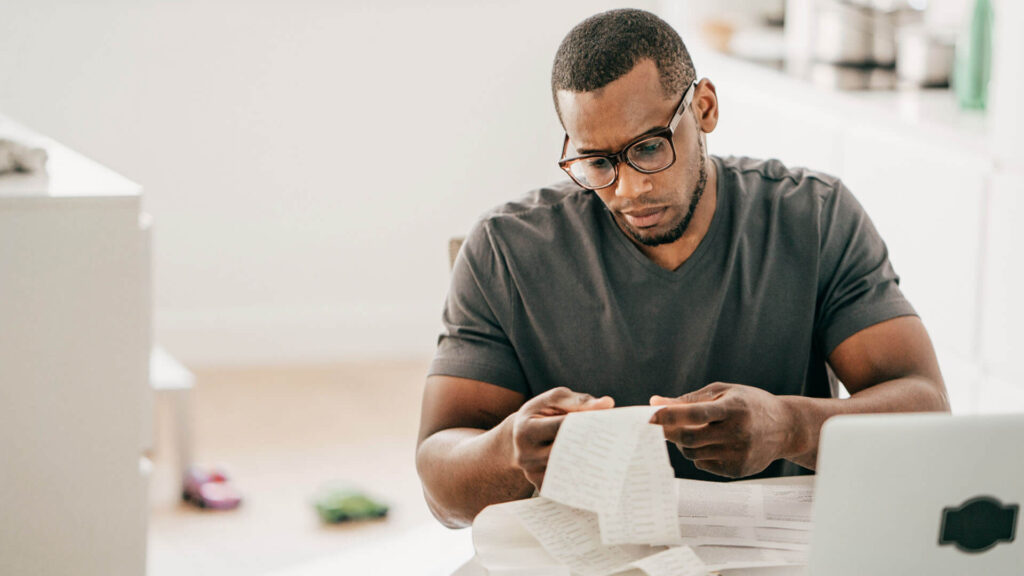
[{"x": 633, "y": 251}]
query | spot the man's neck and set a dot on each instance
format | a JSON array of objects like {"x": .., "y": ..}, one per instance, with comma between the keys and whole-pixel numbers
[{"x": 672, "y": 256}]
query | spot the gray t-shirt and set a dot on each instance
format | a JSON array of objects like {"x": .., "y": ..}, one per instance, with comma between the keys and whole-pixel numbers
[{"x": 549, "y": 292}]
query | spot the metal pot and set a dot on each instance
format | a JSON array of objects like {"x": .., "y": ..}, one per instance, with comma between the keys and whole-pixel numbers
[
  {"x": 924, "y": 58},
  {"x": 883, "y": 42},
  {"x": 840, "y": 77},
  {"x": 859, "y": 33},
  {"x": 844, "y": 33}
]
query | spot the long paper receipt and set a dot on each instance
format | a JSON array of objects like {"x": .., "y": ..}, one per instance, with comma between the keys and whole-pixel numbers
[{"x": 614, "y": 463}]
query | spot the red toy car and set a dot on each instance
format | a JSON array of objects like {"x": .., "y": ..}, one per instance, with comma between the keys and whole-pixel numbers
[{"x": 209, "y": 489}]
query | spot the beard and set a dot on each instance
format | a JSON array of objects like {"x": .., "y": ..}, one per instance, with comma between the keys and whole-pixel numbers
[{"x": 676, "y": 232}]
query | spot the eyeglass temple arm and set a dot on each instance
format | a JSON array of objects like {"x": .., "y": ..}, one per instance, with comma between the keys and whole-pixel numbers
[{"x": 683, "y": 104}]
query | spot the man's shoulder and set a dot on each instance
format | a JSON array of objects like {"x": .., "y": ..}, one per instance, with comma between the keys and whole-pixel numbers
[
  {"x": 525, "y": 229},
  {"x": 547, "y": 211},
  {"x": 540, "y": 202},
  {"x": 773, "y": 180}
]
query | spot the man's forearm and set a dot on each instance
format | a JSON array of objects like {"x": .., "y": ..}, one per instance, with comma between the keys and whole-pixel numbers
[
  {"x": 464, "y": 470},
  {"x": 909, "y": 394}
]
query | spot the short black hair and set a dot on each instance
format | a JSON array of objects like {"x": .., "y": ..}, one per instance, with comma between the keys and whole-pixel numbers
[{"x": 606, "y": 46}]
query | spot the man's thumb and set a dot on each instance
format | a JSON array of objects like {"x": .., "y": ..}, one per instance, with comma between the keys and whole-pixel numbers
[{"x": 602, "y": 403}]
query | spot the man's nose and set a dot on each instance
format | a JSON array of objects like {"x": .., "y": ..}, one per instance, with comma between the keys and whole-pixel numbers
[{"x": 631, "y": 183}]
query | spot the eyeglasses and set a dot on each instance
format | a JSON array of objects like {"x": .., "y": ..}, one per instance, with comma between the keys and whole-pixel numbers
[{"x": 648, "y": 153}]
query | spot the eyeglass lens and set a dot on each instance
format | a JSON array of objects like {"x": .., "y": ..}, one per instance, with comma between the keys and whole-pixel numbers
[{"x": 649, "y": 155}]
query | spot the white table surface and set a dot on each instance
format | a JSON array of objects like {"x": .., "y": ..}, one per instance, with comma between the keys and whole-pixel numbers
[{"x": 426, "y": 550}]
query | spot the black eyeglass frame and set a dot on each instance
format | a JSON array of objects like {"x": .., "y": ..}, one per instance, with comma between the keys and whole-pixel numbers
[{"x": 622, "y": 155}]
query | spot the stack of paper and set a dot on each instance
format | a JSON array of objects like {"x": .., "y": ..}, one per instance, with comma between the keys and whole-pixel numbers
[{"x": 610, "y": 504}]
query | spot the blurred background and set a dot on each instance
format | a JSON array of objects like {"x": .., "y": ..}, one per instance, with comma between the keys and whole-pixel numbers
[{"x": 302, "y": 166}]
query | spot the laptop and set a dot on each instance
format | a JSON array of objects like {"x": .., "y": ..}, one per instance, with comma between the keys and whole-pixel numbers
[{"x": 919, "y": 494}]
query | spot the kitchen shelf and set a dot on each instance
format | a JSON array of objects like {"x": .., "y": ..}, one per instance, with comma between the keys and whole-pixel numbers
[{"x": 929, "y": 115}]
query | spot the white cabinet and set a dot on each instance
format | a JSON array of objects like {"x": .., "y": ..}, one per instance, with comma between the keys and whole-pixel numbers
[
  {"x": 1003, "y": 334},
  {"x": 927, "y": 201},
  {"x": 74, "y": 349}
]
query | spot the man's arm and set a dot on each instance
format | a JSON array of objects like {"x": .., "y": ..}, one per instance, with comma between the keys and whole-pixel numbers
[
  {"x": 464, "y": 451},
  {"x": 734, "y": 430},
  {"x": 888, "y": 367},
  {"x": 481, "y": 444}
]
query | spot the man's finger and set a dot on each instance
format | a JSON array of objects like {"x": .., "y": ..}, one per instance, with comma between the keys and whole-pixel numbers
[
  {"x": 663, "y": 401},
  {"x": 708, "y": 393},
  {"x": 705, "y": 394},
  {"x": 713, "y": 452},
  {"x": 716, "y": 467},
  {"x": 536, "y": 469},
  {"x": 537, "y": 480},
  {"x": 536, "y": 459},
  {"x": 690, "y": 414},
  {"x": 698, "y": 436},
  {"x": 562, "y": 400},
  {"x": 541, "y": 430},
  {"x": 602, "y": 403},
  {"x": 555, "y": 396}
]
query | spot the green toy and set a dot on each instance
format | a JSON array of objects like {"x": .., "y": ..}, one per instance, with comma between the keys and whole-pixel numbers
[{"x": 339, "y": 504}]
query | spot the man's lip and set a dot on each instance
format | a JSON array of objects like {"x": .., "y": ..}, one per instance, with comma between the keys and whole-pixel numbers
[
  {"x": 644, "y": 218},
  {"x": 644, "y": 212}
]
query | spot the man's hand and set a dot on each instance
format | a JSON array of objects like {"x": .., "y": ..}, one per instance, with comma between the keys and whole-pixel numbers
[
  {"x": 728, "y": 429},
  {"x": 536, "y": 423}
]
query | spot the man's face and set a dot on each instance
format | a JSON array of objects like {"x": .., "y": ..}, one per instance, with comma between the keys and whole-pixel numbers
[{"x": 655, "y": 208}]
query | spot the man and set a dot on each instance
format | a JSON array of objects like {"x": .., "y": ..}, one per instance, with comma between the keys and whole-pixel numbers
[{"x": 731, "y": 291}]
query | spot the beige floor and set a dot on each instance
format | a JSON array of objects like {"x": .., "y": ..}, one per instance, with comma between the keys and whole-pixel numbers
[{"x": 282, "y": 432}]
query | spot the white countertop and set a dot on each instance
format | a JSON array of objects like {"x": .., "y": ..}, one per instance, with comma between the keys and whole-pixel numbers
[
  {"x": 68, "y": 174},
  {"x": 929, "y": 114}
]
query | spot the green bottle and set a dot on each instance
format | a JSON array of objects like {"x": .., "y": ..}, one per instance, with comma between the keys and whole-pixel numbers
[{"x": 974, "y": 59}]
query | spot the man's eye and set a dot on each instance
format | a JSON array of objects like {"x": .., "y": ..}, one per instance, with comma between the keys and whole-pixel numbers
[
  {"x": 597, "y": 163},
  {"x": 649, "y": 148}
]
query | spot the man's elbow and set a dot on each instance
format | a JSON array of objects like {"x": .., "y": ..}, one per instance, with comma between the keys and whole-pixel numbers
[
  {"x": 446, "y": 515},
  {"x": 942, "y": 401},
  {"x": 934, "y": 398}
]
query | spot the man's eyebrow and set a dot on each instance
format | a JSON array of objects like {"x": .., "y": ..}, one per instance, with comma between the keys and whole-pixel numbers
[{"x": 583, "y": 151}]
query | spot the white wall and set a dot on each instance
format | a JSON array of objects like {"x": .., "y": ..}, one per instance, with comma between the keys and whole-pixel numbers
[{"x": 305, "y": 161}]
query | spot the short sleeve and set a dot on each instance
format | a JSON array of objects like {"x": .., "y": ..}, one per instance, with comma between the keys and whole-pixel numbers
[
  {"x": 857, "y": 286},
  {"x": 474, "y": 341}
]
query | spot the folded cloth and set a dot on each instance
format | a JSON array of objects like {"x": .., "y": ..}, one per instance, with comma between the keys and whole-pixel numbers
[{"x": 16, "y": 157}]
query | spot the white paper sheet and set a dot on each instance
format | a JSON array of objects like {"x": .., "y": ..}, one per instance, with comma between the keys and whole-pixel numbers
[
  {"x": 647, "y": 509},
  {"x": 677, "y": 561},
  {"x": 717, "y": 558},
  {"x": 591, "y": 456},
  {"x": 614, "y": 462},
  {"x": 778, "y": 538},
  {"x": 788, "y": 503},
  {"x": 505, "y": 546},
  {"x": 744, "y": 504},
  {"x": 572, "y": 537}
]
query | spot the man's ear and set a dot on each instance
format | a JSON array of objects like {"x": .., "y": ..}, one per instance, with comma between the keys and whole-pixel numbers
[{"x": 705, "y": 106}]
